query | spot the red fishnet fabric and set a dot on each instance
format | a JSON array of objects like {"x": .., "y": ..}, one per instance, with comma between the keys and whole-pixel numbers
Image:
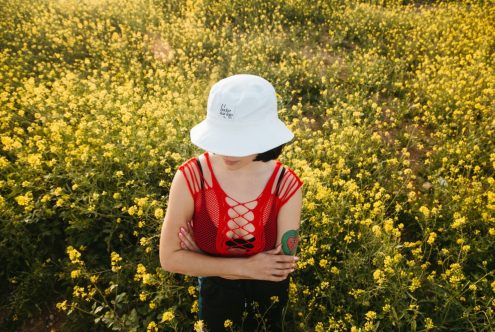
[{"x": 223, "y": 226}]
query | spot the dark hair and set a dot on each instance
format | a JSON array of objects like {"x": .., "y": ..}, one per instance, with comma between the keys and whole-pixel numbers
[{"x": 270, "y": 154}]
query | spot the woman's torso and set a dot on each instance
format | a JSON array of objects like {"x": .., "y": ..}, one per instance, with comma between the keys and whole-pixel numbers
[{"x": 237, "y": 222}]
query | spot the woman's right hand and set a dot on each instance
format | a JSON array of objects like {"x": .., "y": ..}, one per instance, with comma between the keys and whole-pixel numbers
[
  {"x": 187, "y": 240},
  {"x": 270, "y": 265}
]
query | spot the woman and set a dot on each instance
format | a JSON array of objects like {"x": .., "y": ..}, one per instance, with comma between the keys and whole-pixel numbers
[{"x": 234, "y": 212}]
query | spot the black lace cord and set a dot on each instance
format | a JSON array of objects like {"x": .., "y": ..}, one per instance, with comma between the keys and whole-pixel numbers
[
  {"x": 201, "y": 171},
  {"x": 278, "y": 181}
]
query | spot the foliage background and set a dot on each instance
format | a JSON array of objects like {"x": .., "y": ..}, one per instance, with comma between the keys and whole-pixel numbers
[{"x": 392, "y": 106}]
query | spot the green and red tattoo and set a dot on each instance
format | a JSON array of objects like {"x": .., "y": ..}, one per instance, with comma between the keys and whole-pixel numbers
[{"x": 289, "y": 242}]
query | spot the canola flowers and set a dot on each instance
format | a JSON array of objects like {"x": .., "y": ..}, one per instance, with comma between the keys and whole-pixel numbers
[{"x": 392, "y": 106}]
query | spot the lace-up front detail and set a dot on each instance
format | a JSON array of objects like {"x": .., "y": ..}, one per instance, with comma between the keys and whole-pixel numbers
[
  {"x": 224, "y": 226},
  {"x": 240, "y": 224}
]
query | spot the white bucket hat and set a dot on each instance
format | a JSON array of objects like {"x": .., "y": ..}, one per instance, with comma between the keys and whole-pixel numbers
[{"x": 241, "y": 118}]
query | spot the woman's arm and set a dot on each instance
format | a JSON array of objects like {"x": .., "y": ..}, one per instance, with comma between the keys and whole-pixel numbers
[
  {"x": 288, "y": 223},
  {"x": 264, "y": 266}
]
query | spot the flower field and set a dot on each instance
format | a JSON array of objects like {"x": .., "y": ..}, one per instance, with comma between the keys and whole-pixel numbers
[{"x": 393, "y": 108}]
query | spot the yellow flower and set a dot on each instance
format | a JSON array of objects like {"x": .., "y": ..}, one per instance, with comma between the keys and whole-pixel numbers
[
  {"x": 415, "y": 284},
  {"x": 429, "y": 323},
  {"x": 62, "y": 305},
  {"x": 115, "y": 259},
  {"x": 195, "y": 306},
  {"x": 376, "y": 230},
  {"x": 74, "y": 255},
  {"x": 167, "y": 316},
  {"x": 141, "y": 269},
  {"x": 132, "y": 210},
  {"x": 274, "y": 299},
  {"x": 78, "y": 291},
  {"x": 148, "y": 279},
  {"x": 370, "y": 315},
  {"x": 425, "y": 211},
  {"x": 319, "y": 327},
  {"x": 34, "y": 160},
  {"x": 431, "y": 238},
  {"x": 4, "y": 162},
  {"x": 198, "y": 326},
  {"x": 24, "y": 200},
  {"x": 143, "y": 241},
  {"x": 388, "y": 225},
  {"x": 75, "y": 273},
  {"x": 159, "y": 213},
  {"x": 458, "y": 221},
  {"x": 379, "y": 276},
  {"x": 91, "y": 292},
  {"x": 228, "y": 323},
  {"x": 141, "y": 202},
  {"x": 491, "y": 200},
  {"x": 152, "y": 326}
]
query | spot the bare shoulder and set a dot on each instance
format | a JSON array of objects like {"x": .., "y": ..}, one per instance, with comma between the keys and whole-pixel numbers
[
  {"x": 179, "y": 180},
  {"x": 179, "y": 191}
]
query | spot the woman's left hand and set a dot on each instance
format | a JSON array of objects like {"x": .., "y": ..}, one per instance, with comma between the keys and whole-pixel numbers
[{"x": 186, "y": 238}]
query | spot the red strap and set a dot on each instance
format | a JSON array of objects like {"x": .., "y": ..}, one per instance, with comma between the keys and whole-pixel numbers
[
  {"x": 289, "y": 186},
  {"x": 192, "y": 176}
]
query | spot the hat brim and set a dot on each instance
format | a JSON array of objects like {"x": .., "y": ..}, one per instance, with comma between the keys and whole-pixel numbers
[{"x": 240, "y": 141}]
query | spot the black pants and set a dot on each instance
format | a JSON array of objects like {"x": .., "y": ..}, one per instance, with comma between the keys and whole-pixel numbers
[{"x": 250, "y": 304}]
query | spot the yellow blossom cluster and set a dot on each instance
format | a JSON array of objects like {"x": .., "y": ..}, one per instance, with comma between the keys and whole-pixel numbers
[{"x": 115, "y": 260}]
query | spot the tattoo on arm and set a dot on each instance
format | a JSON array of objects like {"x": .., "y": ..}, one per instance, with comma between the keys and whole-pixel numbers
[{"x": 289, "y": 242}]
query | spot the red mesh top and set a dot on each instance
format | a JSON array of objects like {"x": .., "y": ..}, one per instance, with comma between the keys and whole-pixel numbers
[{"x": 225, "y": 227}]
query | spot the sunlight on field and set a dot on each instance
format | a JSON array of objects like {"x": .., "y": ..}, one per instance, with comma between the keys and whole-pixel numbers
[{"x": 392, "y": 106}]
